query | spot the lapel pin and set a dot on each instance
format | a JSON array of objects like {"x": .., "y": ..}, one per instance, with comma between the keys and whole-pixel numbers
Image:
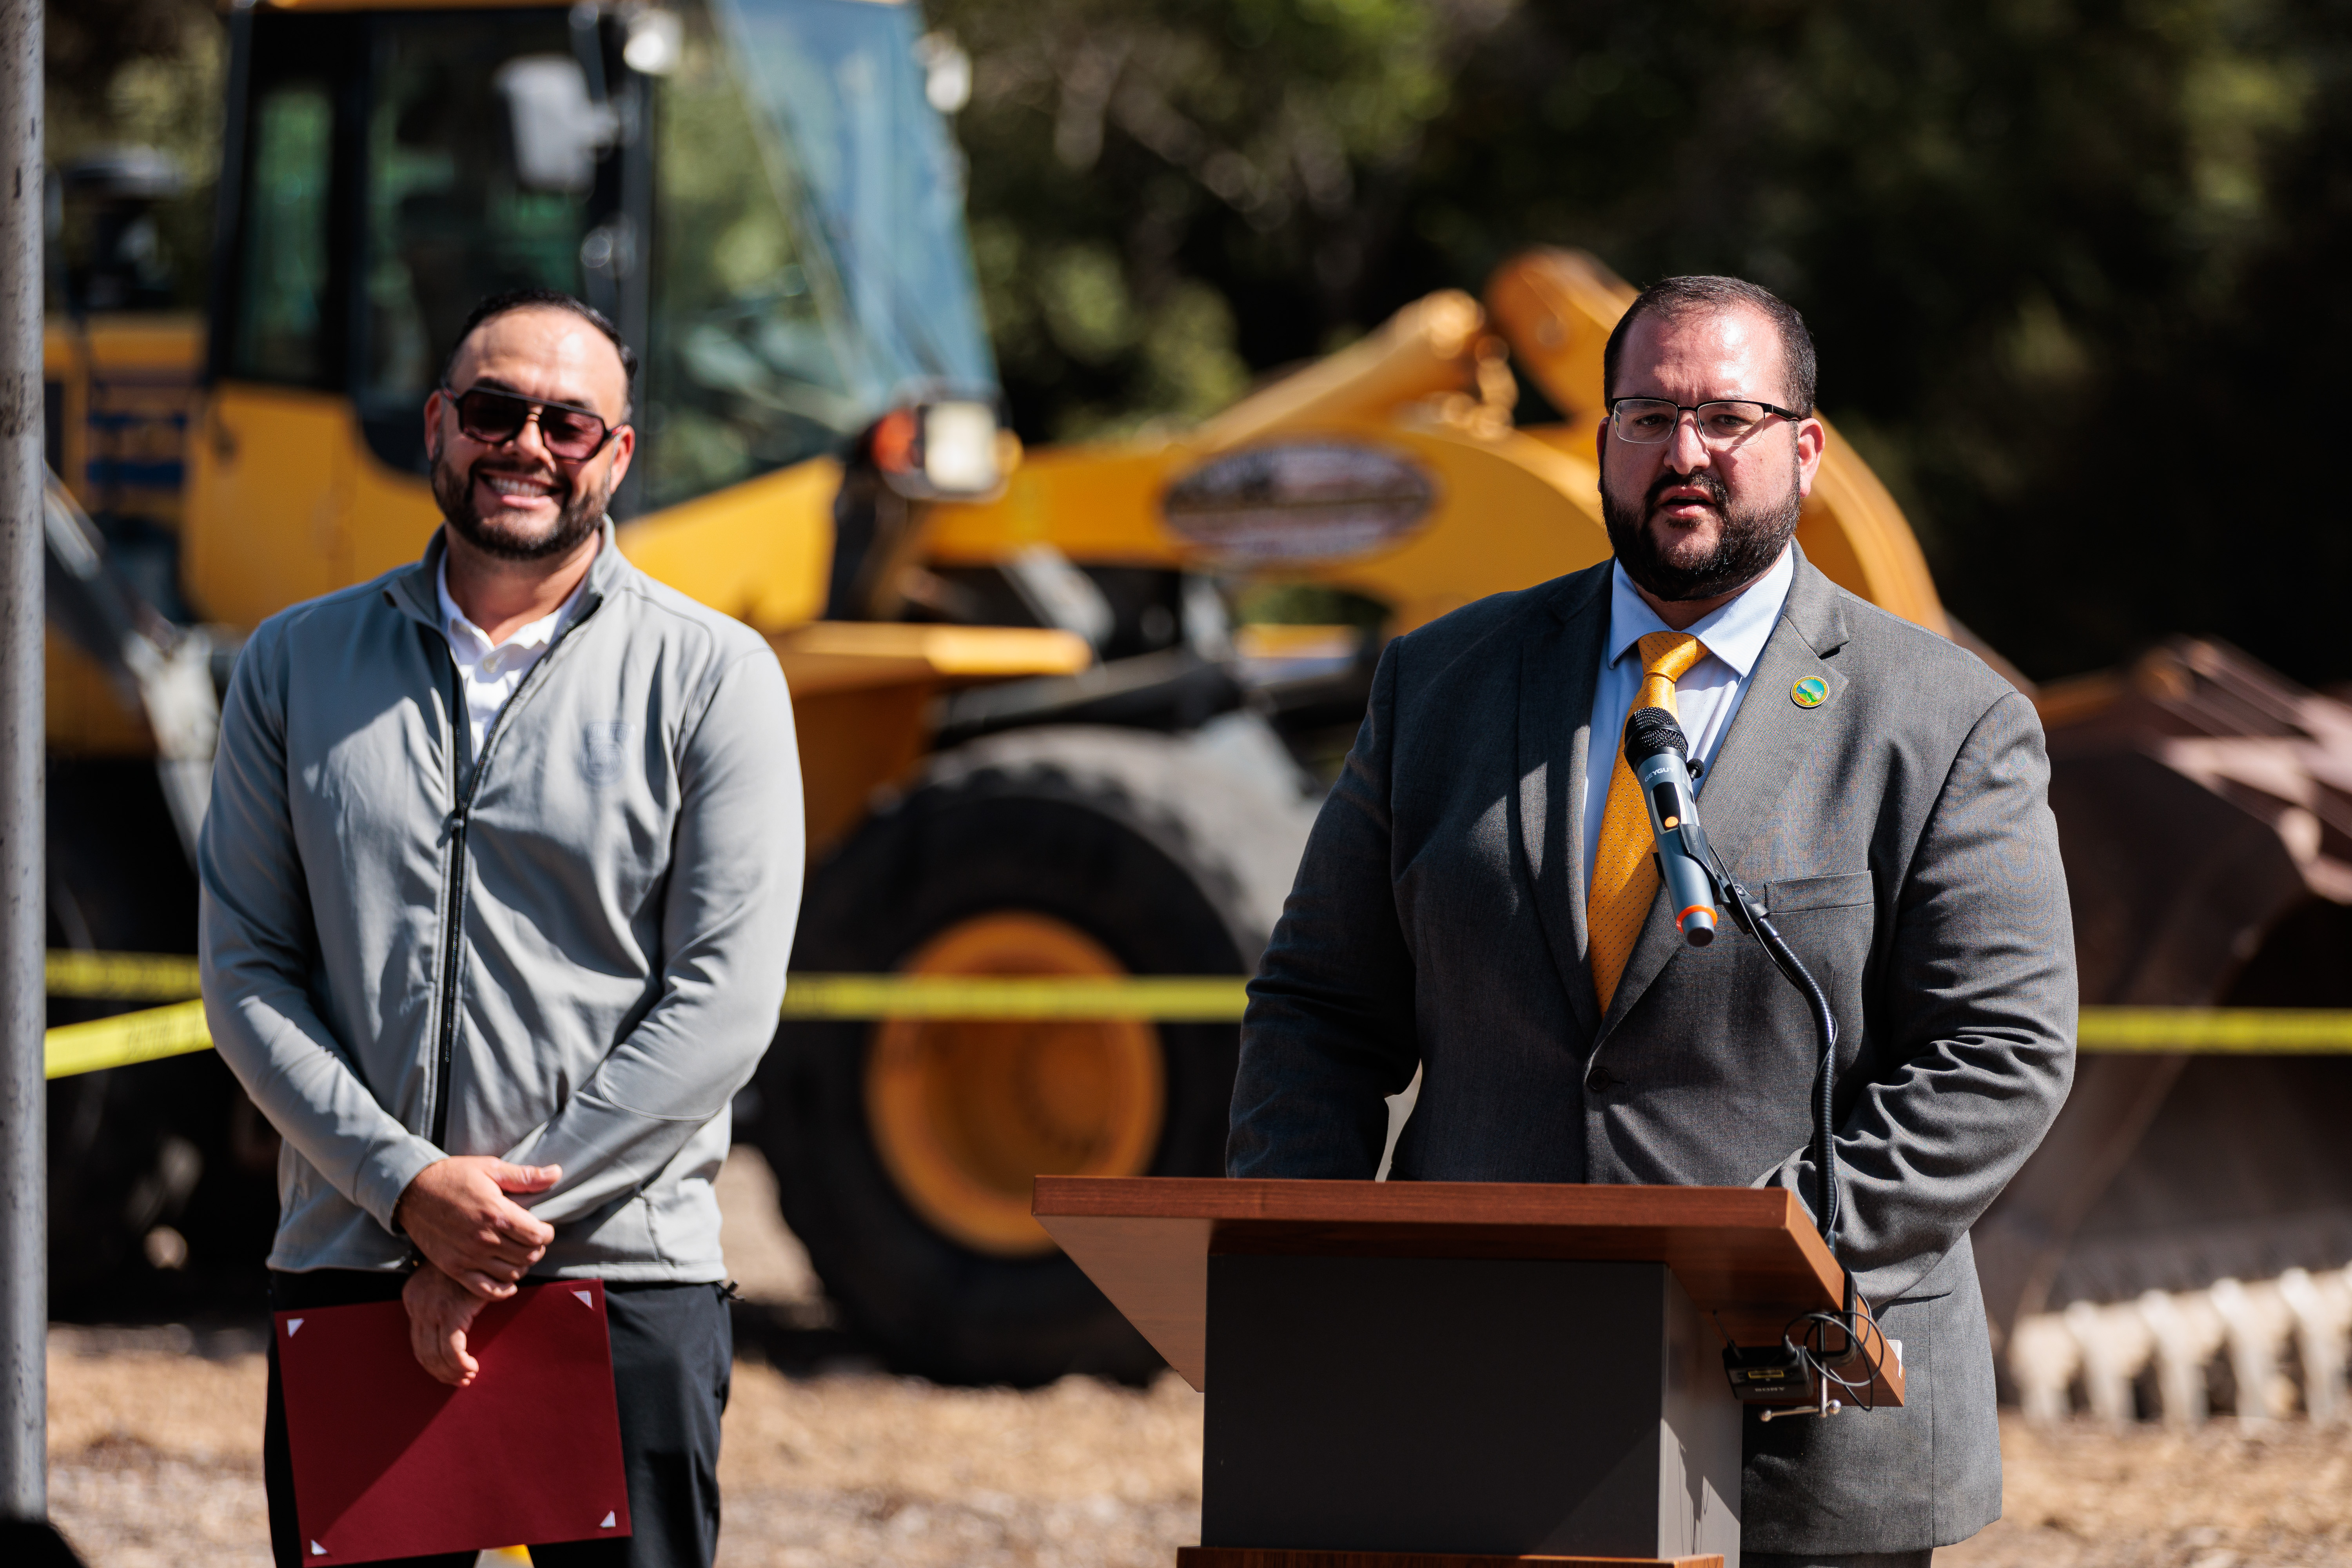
[{"x": 1810, "y": 692}]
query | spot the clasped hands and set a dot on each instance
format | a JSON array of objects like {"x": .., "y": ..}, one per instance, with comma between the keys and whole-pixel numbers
[{"x": 477, "y": 1242}]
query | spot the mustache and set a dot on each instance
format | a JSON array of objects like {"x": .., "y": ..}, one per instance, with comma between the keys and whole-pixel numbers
[
  {"x": 560, "y": 485},
  {"x": 1750, "y": 537},
  {"x": 1718, "y": 494},
  {"x": 579, "y": 506}
]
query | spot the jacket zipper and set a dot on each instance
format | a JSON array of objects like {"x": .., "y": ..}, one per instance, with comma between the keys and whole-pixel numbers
[{"x": 453, "y": 909}]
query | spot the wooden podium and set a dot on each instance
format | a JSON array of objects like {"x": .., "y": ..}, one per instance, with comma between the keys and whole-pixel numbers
[{"x": 1443, "y": 1374}]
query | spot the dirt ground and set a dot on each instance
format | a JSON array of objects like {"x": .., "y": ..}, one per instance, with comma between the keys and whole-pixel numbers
[
  {"x": 154, "y": 1437},
  {"x": 155, "y": 1462}
]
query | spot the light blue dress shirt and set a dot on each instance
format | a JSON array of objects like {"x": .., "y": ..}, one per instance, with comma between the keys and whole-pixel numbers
[{"x": 1707, "y": 697}]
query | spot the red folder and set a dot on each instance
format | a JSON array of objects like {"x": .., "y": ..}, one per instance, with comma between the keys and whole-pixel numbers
[{"x": 390, "y": 1463}]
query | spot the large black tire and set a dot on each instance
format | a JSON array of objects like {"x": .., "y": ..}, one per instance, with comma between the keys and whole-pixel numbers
[
  {"x": 1172, "y": 853},
  {"x": 169, "y": 1143}
]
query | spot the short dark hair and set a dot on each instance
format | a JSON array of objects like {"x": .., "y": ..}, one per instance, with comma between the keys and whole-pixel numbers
[
  {"x": 1675, "y": 297},
  {"x": 507, "y": 301}
]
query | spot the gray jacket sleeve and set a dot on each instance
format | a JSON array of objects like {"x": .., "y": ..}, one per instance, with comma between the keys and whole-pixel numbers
[
  {"x": 732, "y": 902},
  {"x": 257, "y": 948},
  {"x": 1329, "y": 1032},
  {"x": 1976, "y": 1009}
]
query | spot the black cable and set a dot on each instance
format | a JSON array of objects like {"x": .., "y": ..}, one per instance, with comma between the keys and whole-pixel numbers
[
  {"x": 1857, "y": 1345},
  {"x": 1825, "y": 1026},
  {"x": 1644, "y": 741},
  {"x": 1751, "y": 917}
]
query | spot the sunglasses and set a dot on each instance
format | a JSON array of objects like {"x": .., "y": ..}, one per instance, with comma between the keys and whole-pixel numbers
[{"x": 495, "y": 419}]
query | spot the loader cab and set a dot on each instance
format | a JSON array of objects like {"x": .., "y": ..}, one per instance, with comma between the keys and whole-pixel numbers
[{"x": 758, "y": 192}]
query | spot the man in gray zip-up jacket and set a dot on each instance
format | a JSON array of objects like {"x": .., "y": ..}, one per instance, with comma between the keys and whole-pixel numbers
[{"x": 463, "y": 934}]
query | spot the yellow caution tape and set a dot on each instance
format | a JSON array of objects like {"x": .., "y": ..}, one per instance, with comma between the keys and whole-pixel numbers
[
  {"x": 122, "y": 976},
  {"x": 1163, "y": 999},
  {"x": 2203, "y": 1031},
  {"x": 130, "y": 1037},
  {"x": 145, "y": 1036}
]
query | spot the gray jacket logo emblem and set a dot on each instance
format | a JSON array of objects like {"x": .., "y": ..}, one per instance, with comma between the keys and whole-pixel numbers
[{"x": 601, "y": 745}]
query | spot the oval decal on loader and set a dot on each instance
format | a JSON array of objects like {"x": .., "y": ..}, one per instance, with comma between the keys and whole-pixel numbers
[{"x": 1299, "y": 501}]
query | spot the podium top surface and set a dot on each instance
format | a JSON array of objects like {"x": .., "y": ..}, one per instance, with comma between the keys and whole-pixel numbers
[{"x": 1749, "y": 1256}]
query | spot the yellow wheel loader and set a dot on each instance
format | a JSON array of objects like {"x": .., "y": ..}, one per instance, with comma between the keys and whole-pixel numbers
[{"x": 1034, "y": 738}]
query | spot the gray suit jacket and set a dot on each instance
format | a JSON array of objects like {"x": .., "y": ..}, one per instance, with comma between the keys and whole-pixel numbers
[{"x": 1901, "y": 836}]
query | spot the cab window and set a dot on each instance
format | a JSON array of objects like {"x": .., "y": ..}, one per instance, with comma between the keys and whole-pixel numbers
[
  {"x": 488, "y": 149},
  {"x": 283, "y": 302},
  {"x": 744, "y": 374}
]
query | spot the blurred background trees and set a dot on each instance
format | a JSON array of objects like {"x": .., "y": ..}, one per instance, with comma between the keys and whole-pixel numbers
[
  {"x": 143, "y": 73},
  {"x": 2073, "y": 264}
]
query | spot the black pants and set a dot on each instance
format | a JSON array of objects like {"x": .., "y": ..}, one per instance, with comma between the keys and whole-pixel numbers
[{"x": 673, "y": 1357}]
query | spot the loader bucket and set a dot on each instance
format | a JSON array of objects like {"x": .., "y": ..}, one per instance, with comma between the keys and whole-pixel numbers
[{"x": 2204, "y": 808}]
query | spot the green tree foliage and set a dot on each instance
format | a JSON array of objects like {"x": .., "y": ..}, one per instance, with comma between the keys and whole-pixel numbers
[
  {"x": 143, "y": 73},
  {"x": 88, "y": 42},
  {"x": 2022, "y": 231},
  {"x": 2058, "y": 254},
  {"x": 1168, "y": 196}
]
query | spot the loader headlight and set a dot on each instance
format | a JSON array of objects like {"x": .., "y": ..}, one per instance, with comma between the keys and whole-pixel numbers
[
  {"x": 656, "y": 41},
  {"x": 941, "y": 451},
  {"x": 1297, "y": 501}
]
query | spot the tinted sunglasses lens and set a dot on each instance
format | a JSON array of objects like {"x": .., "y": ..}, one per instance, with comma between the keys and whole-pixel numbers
[
  {"x": 491, "y": 416},
  {"x": 569, "y": 434}
]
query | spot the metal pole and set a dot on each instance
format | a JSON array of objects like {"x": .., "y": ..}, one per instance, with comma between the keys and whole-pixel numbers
[{"x": 24, "y": 909}]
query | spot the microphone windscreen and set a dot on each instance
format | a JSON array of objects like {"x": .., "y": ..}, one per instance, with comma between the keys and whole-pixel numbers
[{"x": 1651, "y": 731}]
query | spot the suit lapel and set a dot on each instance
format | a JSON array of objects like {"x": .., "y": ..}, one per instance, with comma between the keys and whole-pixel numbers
[
  {"x": 1558, "y": 664},
  {"x": 1767, "y": 740}
]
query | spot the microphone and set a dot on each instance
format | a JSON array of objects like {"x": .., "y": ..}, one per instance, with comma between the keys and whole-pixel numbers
[{"x": 1656, "y": 751}]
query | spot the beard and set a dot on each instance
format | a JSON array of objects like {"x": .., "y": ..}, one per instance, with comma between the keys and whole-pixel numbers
[
  {"x": 580, "y": 509},
  {"x": 1748, "y": 542}
]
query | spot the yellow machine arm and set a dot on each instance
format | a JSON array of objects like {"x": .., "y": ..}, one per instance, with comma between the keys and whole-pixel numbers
[{"x": 1507, "y": 506}]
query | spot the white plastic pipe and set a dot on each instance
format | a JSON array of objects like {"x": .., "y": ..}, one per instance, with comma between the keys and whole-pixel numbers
[
  {"x": 2257, "y": 1324},
  {"x": 2322, "y": 1307},
  {"x": 2186, "y": 1332},
  {"x": 2043, "y": 1358},
  {"x": 2115, "y": 1344}
]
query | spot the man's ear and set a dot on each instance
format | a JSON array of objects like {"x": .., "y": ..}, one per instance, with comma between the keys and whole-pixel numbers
[
  {"x": 433, "y": 425},
  {"x": 624, "y": 447},
  {"x": 1812, "y": 437}
]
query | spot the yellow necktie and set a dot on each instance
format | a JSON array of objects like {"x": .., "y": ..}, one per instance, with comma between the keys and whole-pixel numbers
[{"x": 1624, "y": 874}]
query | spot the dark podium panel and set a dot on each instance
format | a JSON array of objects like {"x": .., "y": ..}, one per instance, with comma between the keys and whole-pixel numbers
[
  {"x": 1505, "y": 1406},
  {"x": 1423, "y": 1375}
]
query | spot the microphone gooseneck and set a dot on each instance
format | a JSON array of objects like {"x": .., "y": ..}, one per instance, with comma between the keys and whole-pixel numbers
[
  {"x": 1697, "y": 881},
  {"x": 1657, "y": 750},
  {"x": 1749, "y": 915}
]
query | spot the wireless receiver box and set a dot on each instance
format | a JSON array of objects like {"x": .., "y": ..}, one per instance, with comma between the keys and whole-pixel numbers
[{"x": 1770, "y": 1374}]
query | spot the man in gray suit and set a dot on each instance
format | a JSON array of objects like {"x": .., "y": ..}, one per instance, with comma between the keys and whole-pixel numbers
[{"x": 1478, "y": 903}]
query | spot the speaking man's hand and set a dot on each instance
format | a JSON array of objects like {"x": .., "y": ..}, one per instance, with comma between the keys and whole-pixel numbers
[
  {"x": 458, "y": 1212},
  {"x": 440, "y": 1310}
]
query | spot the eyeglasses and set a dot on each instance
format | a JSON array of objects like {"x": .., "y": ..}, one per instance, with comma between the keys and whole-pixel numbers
[
  {"x": 495, "y": 419},
  {"x": 1647, "y": 421}
]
